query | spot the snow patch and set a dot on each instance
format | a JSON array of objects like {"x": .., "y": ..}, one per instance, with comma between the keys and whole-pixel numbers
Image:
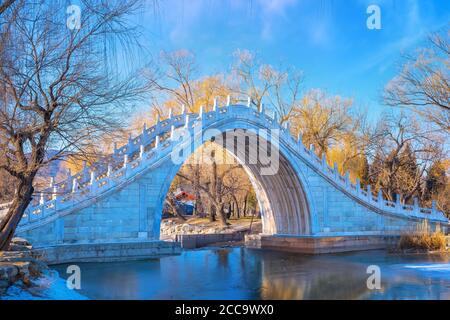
[
  {"x": 48, "y": 287},
  {"x": 440, "y": 267}
]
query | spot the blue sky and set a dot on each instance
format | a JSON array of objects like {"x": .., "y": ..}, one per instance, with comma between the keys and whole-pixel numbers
[{"x": 327, "y": 39}]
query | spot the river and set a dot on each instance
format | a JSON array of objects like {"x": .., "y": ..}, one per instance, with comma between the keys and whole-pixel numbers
[{"x": 240, "y": 273}]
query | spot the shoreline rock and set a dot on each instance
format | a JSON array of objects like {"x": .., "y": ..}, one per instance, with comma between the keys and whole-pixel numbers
[{"x": 19, "y": 264}]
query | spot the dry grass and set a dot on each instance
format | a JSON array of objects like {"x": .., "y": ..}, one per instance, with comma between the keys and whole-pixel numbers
[{"x": 423, "y": 239}]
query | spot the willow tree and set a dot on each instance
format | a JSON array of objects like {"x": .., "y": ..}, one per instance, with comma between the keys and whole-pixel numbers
[
  {"x": 323, "y": 120},
  {"x": 58, "y": 86}
]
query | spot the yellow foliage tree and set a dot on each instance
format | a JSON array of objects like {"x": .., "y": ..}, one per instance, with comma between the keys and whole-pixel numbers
[{"x": 322, "y": 120}]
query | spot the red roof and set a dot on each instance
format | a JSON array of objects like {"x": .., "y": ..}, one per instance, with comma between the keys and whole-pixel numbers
[{"x": 183, "y": 195}]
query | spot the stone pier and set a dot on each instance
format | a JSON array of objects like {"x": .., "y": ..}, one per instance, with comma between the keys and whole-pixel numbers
[{"x": 319, "y": 245}]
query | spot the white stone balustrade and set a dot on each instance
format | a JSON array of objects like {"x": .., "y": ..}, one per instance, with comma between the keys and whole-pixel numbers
[{"x": 114, "y": 174}]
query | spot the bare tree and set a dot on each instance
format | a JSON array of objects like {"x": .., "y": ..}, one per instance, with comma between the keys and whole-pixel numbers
[
  {"x": 424, "y": 82},
  {"x": 219, "y": 183},
  {"x": 281, "y": 87},
  {"x": 174, "y": 77},
  {"x": 4, "y": 5},
  {"x": 57, "y": 90},
  {"x": 402, "y": 154}
]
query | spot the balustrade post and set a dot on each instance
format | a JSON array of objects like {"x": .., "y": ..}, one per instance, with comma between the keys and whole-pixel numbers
[
  {"x": 158, "y": 123},
  {"x": 74, "y": 185},
  {"x": 433, "y": 207},
  {"x": 288, "y": 127},
  {"x": 156, "y": 142},
  {"x": 172, "y": 132},
  {"x": 170, "y": 113},
  {"x": 228, "y": 100},
  {"x": 141, "y": 151},
  {"x": 92, "y": 181},
  {"x": 109, "y": 172},
  {"x": 347, "y": 178},
  {"x": 249, "y": 102},
  {"x": 183, "y": 109},
  {"x": 130, "y": 146},
  {"x": 275, "y": 117},
  {"x": 324, "y": 162},
  {"x": 261, "y": 108},
  {"x": 416, "y": 205},
  {"x": 369, "y": 193},
  {"x": 398, "y": 203},
  {"x": 380, "y": 198},
  {"x": 186, "y": 123},
  {"x": 55, "y": 192},
  {"x": 41, "y": 199},
  {"x": 115, "y": 148},
  {"x": 125, "y": 160},
  {"x": 43, "y": 211},
  {"x": 358, "y": 186},
  {"x": 200, "y": 113},
  {"x": 144, "y": 131}
]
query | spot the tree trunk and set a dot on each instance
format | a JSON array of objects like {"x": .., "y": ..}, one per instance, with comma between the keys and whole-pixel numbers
[
  {"x": 236, "y": 206},
  {"x": 22, "y": 198},
  {"x": 212, "y": 213},
  {"x": 245, "y": 205},
  {"x": 222, "y": 216},
  {"x": 198, "y": 199}
]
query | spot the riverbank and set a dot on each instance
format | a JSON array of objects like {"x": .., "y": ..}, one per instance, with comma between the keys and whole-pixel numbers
[
  {"x": 19, "y": 264},
  {"x": 24, "y": 276},
  {"x": 107, "y": 252},
  {"x": 196, "y": 232},
  {"x": 172, "y": 227}
]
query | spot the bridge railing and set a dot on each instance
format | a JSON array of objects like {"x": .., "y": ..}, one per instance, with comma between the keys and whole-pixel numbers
[{"x": 147, "y": 147}]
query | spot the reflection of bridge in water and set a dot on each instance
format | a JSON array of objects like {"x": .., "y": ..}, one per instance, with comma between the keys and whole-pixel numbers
[
  {"x": 294, "y": 279},
  {"x": 344, "y": 276},
  {"x": 304, "y": 199}
]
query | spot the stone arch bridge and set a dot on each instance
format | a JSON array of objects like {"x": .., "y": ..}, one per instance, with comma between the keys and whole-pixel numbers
[{"x": 301, "y": 197}]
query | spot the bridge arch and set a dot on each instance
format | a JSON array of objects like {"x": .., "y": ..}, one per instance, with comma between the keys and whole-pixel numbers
[{"x": 283, "y": 198}]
